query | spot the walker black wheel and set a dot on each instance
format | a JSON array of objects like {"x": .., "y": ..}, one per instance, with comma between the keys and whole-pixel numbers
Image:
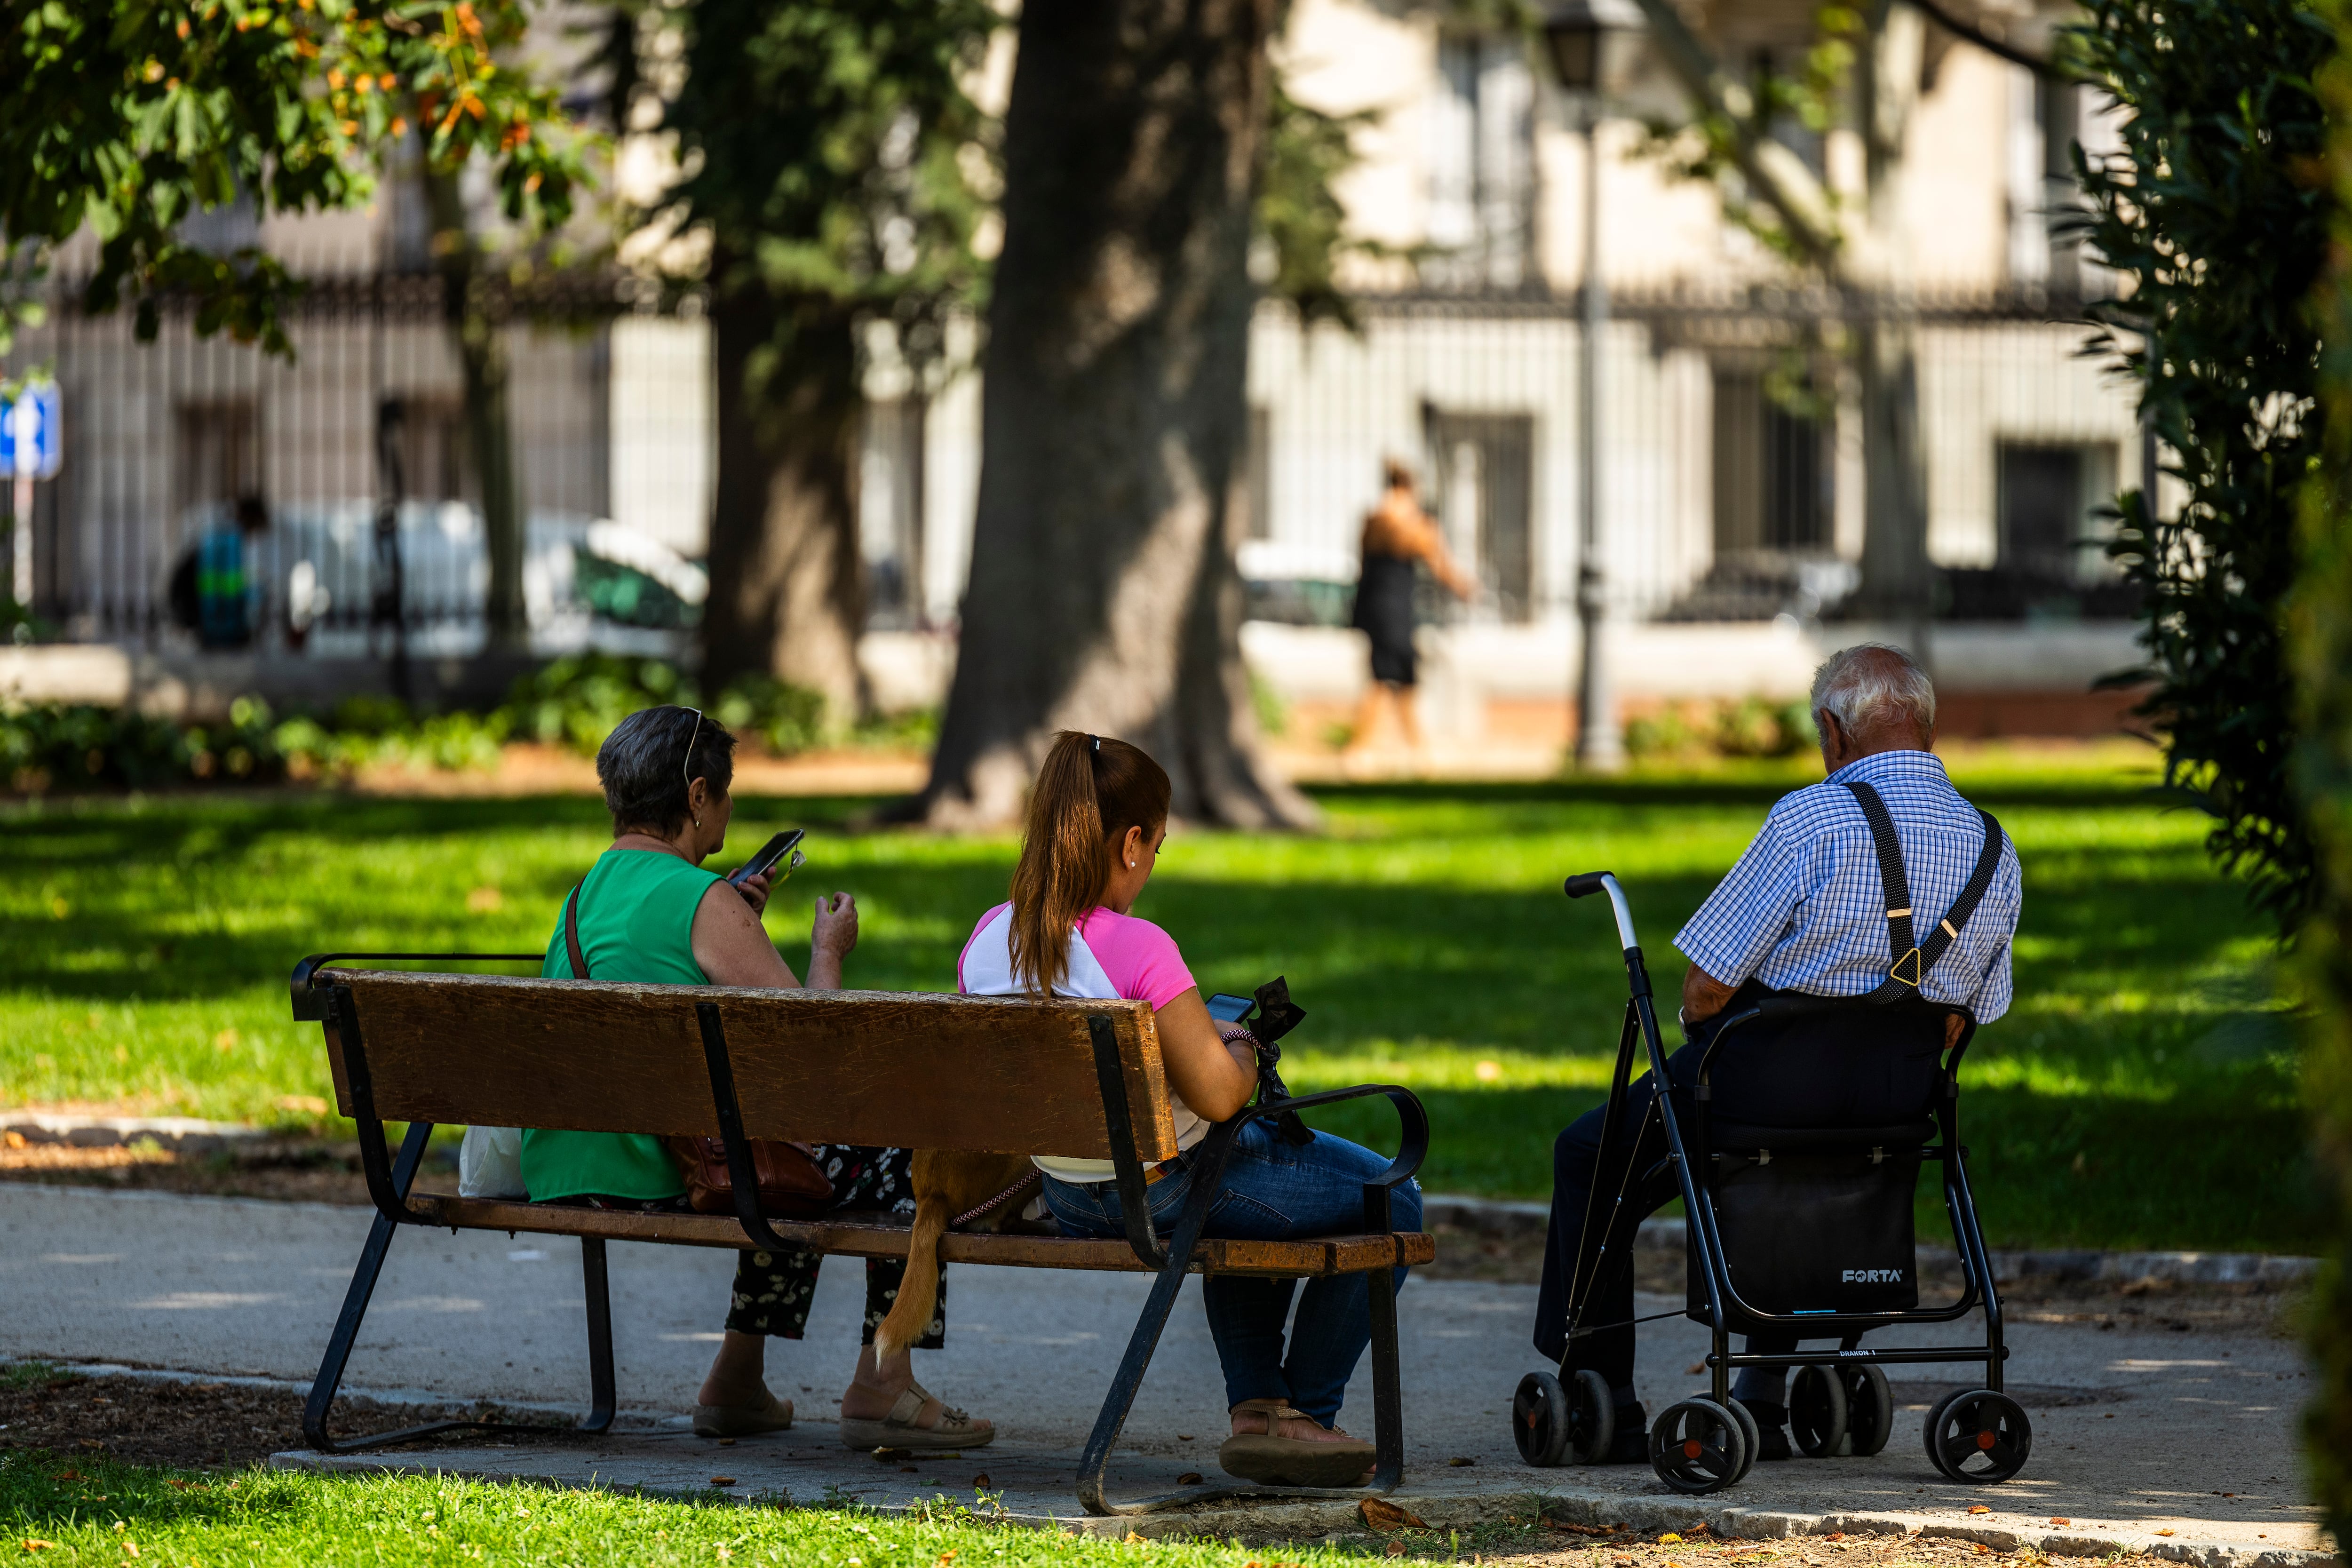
[
  {"x": 1869, "y": 1410},
  {"x": 1540, "y": 1420},
  {"x": 1818, "y": 1414},
  {"x": 1753, "y": 1435},
  {"x": 1979, "y": 1436},
  {"x": 1563, "y": 1425},
  {"x": 1593, "y": 1419},
  {"x": 1698, "y": 1446}
]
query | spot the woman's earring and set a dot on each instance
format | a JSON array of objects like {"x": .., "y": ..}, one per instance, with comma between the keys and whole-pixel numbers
[{"x": 698, "y": 822}]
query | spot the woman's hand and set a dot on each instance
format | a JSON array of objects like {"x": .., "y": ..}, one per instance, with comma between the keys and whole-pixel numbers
[
  {"x": 833, "y": 936},
  {"x": 755, "y": 892},
  {"x": 1215, "y": 1077}
]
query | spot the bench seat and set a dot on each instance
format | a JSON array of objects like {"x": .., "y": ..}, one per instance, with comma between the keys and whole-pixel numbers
[{"x": 1287, "y": 1259}]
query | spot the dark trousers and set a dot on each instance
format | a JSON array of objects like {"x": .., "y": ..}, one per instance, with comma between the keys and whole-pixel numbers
[{"x": 1864, "y": 1068}]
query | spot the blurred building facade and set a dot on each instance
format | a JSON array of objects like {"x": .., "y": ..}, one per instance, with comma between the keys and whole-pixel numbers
[{"x": 1731, "y": 494}]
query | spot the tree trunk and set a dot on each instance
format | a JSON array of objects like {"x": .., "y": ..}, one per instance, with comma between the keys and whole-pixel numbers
[
  {"x": 1898, "y": 579},
  {"x": 481, "y": 334},
  {"x": 786, "y": 596},
  {"x": 1102, "y": 594}
]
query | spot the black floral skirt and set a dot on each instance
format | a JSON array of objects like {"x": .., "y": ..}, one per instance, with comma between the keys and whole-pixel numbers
[{"x": 773, "y": 1290}]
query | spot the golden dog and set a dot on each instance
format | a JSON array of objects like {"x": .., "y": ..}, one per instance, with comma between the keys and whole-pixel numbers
[{"x": 948, "y": 1183}]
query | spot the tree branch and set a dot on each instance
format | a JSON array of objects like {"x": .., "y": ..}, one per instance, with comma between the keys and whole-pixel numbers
[
  {"x": 1771, "y": 170},
  {"x": 1935, "y": 12}
]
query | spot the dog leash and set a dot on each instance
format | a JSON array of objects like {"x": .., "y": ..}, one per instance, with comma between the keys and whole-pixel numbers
[{"x": 999, "y": 1201}]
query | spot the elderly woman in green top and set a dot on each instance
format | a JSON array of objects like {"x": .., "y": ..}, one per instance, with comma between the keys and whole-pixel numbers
[{"x": 648, "y": 913}]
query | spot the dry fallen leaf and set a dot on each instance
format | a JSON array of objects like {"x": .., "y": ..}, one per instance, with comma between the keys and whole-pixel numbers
[
  {"x": 980, "y": 1483},
  {"x": 1575, "y": 1529},
  {"x": 34, "y": 1545},
  {"x": 1134, "y": 1540},
  {"x": 1396, "y": 1549},
  {"x": 1188, "y": 1479},
  {"x": 2055, "y": 1520},
  {"x": 1381, "y": 1515},
  {"x": 1978, "y": 1508},
  {"x": 726, "y": 1442},
  {"x": 1670, "y": 1539},
  {"x": 2164, "y": 1533},
  {"x": 1459, "y": 1460},
  {"x": 722, "y": 1480}
]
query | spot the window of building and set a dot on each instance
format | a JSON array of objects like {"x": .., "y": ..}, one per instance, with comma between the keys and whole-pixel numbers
[
  {"x": 891, "y": 512},
  {"x": 218, "y": 456},
  {"x": 1482, "y": 164},
  {"x": 2047, "y": 498},
  {"x": 1257, "y": 470},
  {"x": 1482, "y": 491},
  {"x": 1774, "y": 480}
]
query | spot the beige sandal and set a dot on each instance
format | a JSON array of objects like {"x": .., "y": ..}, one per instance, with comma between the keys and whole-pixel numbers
[
  {"x": 956, "y": 1430},
  {"x": 1271, "y": 1459},
  {"x": 743, "y": 1420}
]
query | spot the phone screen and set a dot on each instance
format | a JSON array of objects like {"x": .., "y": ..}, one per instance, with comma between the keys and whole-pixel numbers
[
  {"x": 774, "y": 850},
  {"x": 1227, "y": 1008}
]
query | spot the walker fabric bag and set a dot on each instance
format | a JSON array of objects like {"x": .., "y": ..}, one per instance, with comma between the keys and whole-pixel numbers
[
  {"x": 1828, "y": 1232},
  {"x": 489, "y": 1164}
]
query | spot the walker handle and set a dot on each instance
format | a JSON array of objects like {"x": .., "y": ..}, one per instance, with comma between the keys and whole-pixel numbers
[{"x": 1585, "y": 883}]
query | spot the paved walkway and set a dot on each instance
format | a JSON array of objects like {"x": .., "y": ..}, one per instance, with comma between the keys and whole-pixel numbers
[{"x": 2135, "y": 1434}]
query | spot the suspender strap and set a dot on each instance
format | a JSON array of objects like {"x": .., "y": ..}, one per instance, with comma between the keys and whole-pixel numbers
[
  {"x": 1909, "y": 961},
  {"x": 572, "y": 936}
]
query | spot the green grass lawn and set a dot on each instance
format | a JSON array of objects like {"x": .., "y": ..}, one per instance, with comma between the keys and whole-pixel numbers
[
  {"x": 2142, "y": 1091},
  {"x": 97, "y": 1511}
]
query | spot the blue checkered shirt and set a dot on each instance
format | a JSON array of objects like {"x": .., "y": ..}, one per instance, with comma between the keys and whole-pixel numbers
[{"x": 1804, "y": 910}]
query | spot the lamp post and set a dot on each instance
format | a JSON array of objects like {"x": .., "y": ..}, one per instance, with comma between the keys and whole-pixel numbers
[{"x": 1577, "y": 37}]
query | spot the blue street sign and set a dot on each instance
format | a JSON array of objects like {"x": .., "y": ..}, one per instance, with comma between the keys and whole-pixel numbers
[{"x": 32, "y": 439}]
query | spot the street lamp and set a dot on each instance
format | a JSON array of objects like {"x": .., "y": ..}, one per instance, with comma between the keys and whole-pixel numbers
[{"x": 1586, "y": 39}]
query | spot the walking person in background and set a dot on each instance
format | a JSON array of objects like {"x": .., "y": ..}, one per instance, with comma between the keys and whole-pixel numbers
[{"x": 1397, "y": 533}]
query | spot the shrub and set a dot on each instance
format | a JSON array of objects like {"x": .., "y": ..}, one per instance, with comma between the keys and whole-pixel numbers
[
  {"x": 576, "y": 701},
  {"x": 783, "y": 719},
  {"x": 2216, "y": 212}
]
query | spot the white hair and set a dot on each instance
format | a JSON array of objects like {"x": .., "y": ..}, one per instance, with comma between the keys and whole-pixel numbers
[{"x": 1870, "y": 685}]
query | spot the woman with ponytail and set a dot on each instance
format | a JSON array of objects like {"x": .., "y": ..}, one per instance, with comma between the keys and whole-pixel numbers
[{"x": 1097, "y": 817}]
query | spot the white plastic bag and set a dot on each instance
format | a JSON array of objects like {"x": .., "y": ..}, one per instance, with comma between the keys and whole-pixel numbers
[{"x": 489, "y": 1164}]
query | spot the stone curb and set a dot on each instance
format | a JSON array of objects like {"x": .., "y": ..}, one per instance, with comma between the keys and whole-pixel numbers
[
  {"x": 181, "y": 1134},
  {"x": 1501, "y": 1217},
  {"x": 1337, "y": 1523}
]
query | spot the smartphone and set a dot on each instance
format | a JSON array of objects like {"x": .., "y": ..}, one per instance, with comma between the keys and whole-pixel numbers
[
  {"x": 787, "y": 843},
  {"x": 1227, "y": 1008}
]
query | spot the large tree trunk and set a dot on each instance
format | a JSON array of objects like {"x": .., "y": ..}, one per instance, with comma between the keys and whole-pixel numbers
[
  {"x": 786, "y": 598},
  {"x": 1898, "y": 579},
  {"x": 1102, "y": 594},
  {"x": 479, "y": 332}
]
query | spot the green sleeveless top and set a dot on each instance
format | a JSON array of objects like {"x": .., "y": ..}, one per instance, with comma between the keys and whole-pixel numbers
[{"x": 636, "y": 923}]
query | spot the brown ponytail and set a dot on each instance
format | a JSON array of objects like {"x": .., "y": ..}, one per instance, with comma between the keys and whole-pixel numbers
[{"x": 1091, "y": 790}]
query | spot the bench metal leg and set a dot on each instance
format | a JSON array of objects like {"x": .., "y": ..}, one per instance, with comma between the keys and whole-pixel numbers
[
  {"x": 363, "y": 1288},
  {"x": 1387, "y": 1400}
]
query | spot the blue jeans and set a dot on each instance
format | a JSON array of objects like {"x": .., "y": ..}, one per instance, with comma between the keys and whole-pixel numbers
[{"x": 1272, "y": 1190}]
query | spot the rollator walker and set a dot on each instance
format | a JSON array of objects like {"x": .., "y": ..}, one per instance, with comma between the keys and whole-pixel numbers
[{"x": 1790, "y": 1269}]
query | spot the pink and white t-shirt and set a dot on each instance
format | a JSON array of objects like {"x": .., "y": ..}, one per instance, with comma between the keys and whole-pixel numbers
[{"x": 1111, "y": 955}]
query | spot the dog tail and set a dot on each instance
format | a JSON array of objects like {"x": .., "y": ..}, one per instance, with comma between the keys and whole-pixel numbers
[{"x": 919, "y": 1292}]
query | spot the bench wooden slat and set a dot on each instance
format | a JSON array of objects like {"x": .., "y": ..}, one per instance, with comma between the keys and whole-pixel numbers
[
  {"x": 1005, "y": 1074},
  {"x": 1328, "y": 1255}
]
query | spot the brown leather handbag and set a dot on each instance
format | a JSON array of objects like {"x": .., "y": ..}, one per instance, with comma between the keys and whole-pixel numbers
[{"x": 792, "y": 1185}]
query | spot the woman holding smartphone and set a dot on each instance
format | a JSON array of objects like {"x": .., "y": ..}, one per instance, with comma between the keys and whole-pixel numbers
[
  {"x": 1097, "y": 817},
  {"x": 647, "y": 911}
]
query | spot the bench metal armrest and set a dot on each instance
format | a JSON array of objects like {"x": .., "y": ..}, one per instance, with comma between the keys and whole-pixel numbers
[{"x": 1413, "y": 1119}]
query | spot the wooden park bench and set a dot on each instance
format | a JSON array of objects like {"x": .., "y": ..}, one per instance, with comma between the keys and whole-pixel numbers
[{"x": 1081, "y": 1078}]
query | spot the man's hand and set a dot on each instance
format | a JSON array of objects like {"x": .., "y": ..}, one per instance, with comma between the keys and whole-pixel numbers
[{"x": 1703, "y": 995}]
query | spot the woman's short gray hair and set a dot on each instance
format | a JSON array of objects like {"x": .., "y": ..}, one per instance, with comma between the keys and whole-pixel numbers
[
  {"x": 1871, "y": 685},
  {"x": 644, "y": 766}
]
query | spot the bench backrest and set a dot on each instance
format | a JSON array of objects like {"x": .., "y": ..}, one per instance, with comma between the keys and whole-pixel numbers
[{"x": 998, "y": 1074}]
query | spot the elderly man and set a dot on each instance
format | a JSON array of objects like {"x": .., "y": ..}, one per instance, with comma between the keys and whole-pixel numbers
[{"x": 1804, "y": 912}]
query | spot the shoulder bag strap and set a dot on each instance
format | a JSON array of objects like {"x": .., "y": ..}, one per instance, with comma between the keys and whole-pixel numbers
[
  {"x": 1910, "y": 959},
  {"x": 572, "y": 936}
]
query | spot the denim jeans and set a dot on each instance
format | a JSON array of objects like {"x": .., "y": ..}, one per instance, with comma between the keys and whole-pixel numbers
[{"x": 1272, "y": 1190}]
